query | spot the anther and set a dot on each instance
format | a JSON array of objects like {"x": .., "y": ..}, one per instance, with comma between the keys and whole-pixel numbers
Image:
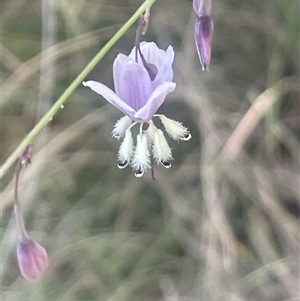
[
  {"x": 117, "y": 136},
  {"x": 186, "y": 137},
  {"x": 122, "y": 165},
  {"x": 165, "y": 164},
  {"x": 139, "y": 173}
]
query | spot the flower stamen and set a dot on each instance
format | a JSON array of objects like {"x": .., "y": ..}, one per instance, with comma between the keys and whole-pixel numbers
[
  {"x": 175, "y": 129},
  {"x": 126, "y": 150},
  {"x": 121, "y": 126},
  {"x": 165, "y": 164},
  {"x": 139, "y": 173},
  {"x": 123, "y": 164},
  {"x": 141, "y": 156},
  {"x": 161, "y": 149}
]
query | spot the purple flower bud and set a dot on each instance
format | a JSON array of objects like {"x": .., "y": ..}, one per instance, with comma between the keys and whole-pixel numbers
[
  {"x": 32, "y": 259},
  {"x": 203, "y": 31},
  {"x": 202, "y": 7}
]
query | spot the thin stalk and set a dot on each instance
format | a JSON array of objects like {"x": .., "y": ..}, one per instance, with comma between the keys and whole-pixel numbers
[
  {"x": 68, "y": 92},
  {"x": 17, "y": 206}
]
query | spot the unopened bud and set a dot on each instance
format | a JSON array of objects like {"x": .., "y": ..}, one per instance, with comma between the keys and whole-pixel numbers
[
  {"x": 203, "y": 32},
  {"x": 32, "y": 259}
]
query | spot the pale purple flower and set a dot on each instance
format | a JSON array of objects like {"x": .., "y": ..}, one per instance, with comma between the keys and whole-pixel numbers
[
  {"x": 142, "y": 81},
  {"x": 136, "y": 95},
  {"x": 32, "y": 259}
]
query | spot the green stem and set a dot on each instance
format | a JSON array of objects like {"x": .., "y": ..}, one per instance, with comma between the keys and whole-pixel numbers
[{"x": 68, "y": 92}]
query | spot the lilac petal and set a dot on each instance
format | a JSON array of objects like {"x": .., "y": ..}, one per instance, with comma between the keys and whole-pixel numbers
[
  {"x": 203, "y": 32},
  {"x": 120, "y": 64},
  {"x": 110, "y": 96},
  {"x": 134, "y": 86},
  {"x": 202, "y": 7},
  {"x": 165, "y": 71},
  {"x": 155, "y": 101}
]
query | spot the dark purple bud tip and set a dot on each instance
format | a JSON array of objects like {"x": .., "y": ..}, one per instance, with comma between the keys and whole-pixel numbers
[
  {"x": 139, "y": 174},
  {"x": 165, "y": 164},
  {"x": 32, "y": 259},
  {"x": 122, "y": 164},
  {"x": 203, "y": 32},
  {"x": 26, "y": 156}
]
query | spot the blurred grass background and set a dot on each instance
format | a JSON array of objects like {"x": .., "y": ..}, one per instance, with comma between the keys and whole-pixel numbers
[{"x": 222, "y": 223}]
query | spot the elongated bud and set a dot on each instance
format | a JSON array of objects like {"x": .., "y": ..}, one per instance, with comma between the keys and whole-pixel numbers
[
  {"x": 202, "y": 7},
  {"x": 32, "y": 259},
  {"x": 203, "y": 32}
]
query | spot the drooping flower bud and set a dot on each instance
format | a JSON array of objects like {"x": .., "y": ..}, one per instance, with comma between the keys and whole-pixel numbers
[
  {"x": 203, "y": 32},
  {"x": 32, "y": 259}
]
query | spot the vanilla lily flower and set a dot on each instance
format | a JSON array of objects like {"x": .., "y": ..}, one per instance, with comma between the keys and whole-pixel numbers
[{"x": 142, "y": 81}]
